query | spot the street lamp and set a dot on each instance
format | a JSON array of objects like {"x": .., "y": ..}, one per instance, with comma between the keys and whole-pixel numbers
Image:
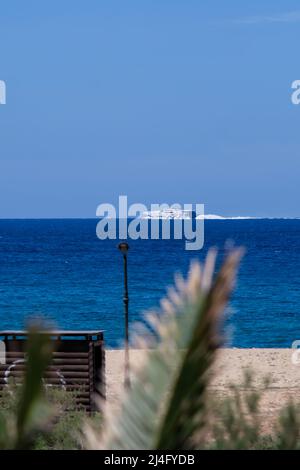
[{"x": 124, "y": 247}]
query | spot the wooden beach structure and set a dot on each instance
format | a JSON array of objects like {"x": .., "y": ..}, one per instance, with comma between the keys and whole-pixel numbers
[{"x": 77, "y": 365}]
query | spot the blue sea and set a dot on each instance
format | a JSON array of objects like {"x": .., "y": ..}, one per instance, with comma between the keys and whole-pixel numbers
[{"x": 60, "y": 270}]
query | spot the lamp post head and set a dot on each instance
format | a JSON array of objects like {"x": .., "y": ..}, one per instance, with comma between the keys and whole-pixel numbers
[{"x": 123, "y": 247}]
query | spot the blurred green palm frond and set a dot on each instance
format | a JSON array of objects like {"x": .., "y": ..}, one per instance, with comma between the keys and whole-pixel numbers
[
  {"x": 166, "y": 406},
  {"x": 31, "y": 412}
]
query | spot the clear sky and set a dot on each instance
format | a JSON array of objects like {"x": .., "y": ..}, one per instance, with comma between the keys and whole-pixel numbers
[{"x": 162, "y": 100}]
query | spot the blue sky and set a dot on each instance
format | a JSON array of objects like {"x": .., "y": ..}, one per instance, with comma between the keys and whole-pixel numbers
[{"x": 165, "y": 101}]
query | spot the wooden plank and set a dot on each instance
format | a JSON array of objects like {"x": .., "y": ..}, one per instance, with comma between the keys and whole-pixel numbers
[
  {"x": 54, "y": 363},
  {"x": 72, "y": 361},
  {"x": 54, "y": 332},
  {"x": 59, "y": 354},
  {"x": 53, "y": 380},
  {"x": 49, "y": 374},
  {"x": 61, "y": 368}
]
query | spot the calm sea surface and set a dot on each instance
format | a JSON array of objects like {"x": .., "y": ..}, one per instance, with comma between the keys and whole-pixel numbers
[{"x": 60, "y": 270}]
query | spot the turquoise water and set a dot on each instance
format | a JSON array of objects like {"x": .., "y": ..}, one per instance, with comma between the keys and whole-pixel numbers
[{"x": 60, "y": 270}]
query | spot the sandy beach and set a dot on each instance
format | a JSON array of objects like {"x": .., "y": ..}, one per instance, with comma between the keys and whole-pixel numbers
[{"x": 230, "y": 368}]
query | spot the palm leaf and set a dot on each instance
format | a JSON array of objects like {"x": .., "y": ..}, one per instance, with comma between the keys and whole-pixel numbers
[
  {"x": 31, "y": 409},
  {"x": 166, "y": 405}
]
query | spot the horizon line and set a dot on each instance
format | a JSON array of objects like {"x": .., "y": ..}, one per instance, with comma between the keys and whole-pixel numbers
[{"x": 215, "y": 217}]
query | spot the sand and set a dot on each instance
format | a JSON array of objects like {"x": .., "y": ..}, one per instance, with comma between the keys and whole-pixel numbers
[{"x": 230, "y": 368}]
